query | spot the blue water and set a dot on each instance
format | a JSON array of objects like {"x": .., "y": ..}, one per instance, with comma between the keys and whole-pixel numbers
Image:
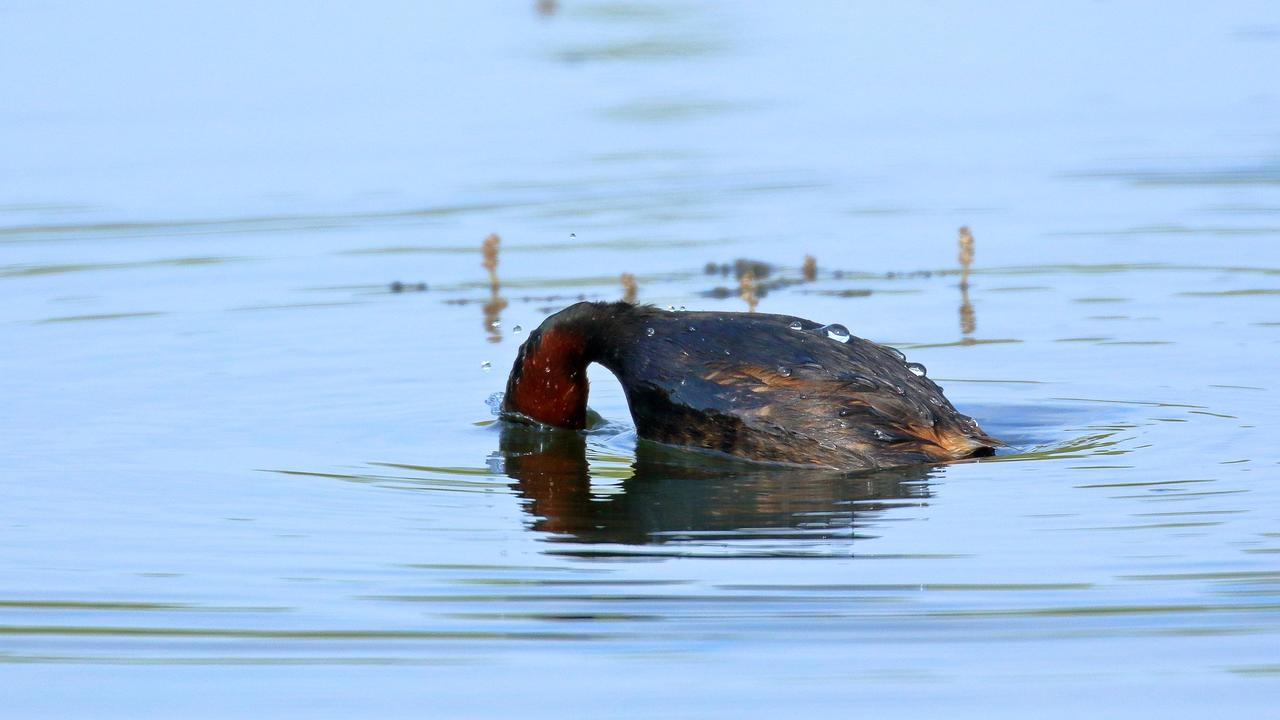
[{"x": 240, "y": 476}]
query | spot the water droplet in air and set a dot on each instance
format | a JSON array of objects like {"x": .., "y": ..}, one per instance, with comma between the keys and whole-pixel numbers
[
  {"x": 836, "y": 332},
  {"x": 795, "y": 325},
  {"x": 495, "y": 324},
  {"x": 681, "y": 308},
  {"x": 784, "y": 371},
  {"x": 573, "y": 236},
  {"x": 486, "y": 365},
  {"x": 671, "y": 308},
  {"x": 917, "y": 369},
  {"x": 648, "y": 331},
  {"x": 517, "y": 329}
]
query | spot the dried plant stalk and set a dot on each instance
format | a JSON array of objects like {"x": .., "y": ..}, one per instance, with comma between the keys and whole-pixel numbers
[
  {"x": 747, "y": 289},
  {"x": 966, "y": 255},
  {"x": 629, "y": 288},
  {"x": 492, "y": 309},
  {"x": 489, "y": 248}
]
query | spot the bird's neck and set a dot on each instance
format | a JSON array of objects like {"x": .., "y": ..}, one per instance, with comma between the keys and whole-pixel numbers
[{"x": 549, "y": 380}]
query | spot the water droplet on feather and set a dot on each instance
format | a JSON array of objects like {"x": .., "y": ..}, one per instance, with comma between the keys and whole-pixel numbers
[{"x": 836, "y": 332}]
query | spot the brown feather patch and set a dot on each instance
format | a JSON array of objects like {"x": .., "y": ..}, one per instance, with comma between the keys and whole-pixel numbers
[{"x": 551, "y": 386}]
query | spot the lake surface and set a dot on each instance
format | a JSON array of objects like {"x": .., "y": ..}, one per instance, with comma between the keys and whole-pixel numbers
[{"x": 242, "y": 477}]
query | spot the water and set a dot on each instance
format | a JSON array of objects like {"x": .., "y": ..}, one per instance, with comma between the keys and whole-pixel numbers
[{"x": 232, "y": 456}]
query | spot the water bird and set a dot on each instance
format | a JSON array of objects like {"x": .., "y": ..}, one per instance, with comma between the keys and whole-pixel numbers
[{"x": 770, "y": 388}]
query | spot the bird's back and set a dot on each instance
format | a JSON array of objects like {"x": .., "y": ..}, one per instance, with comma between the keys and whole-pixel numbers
[{"x": 779, "y": 388}]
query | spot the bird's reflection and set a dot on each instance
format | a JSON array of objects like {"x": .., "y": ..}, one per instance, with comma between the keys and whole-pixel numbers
[{"x": 679, "y": 494}]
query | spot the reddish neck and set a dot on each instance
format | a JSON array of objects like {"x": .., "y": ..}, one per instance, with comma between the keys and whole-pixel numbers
[{"x": 549, "y": 380}]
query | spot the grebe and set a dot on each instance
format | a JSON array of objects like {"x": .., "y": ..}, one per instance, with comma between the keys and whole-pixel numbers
[{"x": 770, "y": 388}]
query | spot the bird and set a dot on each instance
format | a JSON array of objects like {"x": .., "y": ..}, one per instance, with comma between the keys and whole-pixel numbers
[{"x": 756, "y": 386}]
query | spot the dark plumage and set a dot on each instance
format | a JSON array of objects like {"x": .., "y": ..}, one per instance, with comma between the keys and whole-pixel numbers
[{"x": 772, "y": 388}]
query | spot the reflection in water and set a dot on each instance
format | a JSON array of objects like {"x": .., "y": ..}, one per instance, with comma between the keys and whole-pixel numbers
[
  {"x": 675, "y": 494},
  {"x": 968, "y": 321}
]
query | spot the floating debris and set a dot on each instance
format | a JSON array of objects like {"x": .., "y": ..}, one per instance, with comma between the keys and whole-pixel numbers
[
  {"x": 398, "y": 287},
  {"x": 757, "y": 269},
  {"x": 852, "y": 292}
]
